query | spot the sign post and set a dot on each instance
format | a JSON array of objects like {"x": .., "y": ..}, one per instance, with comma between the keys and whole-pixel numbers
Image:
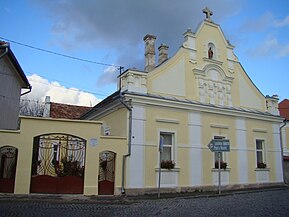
[
  {"x": 219, "y": 146},
  {"x": 161, "y": 147},
  {"x": 219, "y": 171}
]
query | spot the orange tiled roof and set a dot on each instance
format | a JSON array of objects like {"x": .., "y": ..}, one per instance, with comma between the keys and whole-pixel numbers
[
  {"x": 59, "y": 110},
  {"x": 284, "y": 108}
]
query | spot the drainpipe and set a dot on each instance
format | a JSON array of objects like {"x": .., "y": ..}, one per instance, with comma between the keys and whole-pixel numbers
[
  {"x": 30, "y": 88},
  {"x": 281, "y": 144},
  {"x": 129, "y": 108}
]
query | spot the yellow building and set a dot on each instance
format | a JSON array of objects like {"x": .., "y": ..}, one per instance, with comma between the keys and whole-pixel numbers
[
  {"x": 199, "y": 94},
  {"x": 189, "y": 103}
]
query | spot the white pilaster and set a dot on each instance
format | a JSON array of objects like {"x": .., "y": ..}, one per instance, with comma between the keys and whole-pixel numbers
[
  {"x": 278, "y": 157},
  {"x": 136, "y": 163},
  {"x": 195, "y": 159},
  {"x": 241, "y": 135}
]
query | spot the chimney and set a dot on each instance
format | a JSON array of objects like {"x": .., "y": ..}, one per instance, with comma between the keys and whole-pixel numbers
[
  {"x": 163, "y": 53},
  {"x": 149, "y": 52}
]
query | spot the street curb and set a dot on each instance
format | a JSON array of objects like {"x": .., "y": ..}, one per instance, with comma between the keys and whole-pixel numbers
[{"x": 127, "y": 200}]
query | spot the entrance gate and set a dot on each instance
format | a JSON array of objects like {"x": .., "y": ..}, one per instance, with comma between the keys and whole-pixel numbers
[
  {"x": 58, "y": 164},
  {"x": 8, "y": 162},
  {"x": 106, "y": 175}
]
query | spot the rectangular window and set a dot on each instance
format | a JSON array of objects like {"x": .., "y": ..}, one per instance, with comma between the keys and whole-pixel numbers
[
  {"x": 167, "y": 153},
  {"x": 260, "y": 153}
]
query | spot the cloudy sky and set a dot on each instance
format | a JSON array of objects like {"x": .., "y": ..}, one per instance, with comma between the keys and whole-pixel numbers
[{"x": 110, "y": 33}]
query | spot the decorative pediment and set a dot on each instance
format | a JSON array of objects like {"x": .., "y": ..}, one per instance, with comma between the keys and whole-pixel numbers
[
  {"x": 213, "y": 72},
  {"x": 213, "y": 85}
]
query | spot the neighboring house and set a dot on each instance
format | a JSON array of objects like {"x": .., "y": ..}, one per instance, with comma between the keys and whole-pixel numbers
[
  {"x": 199, "y": 94},
  {"x": 50, "y": 109},
  {"x": 284, "y": 112},
  {"x": 61, "y": 110},
  {"x": 13, "y": 80}
]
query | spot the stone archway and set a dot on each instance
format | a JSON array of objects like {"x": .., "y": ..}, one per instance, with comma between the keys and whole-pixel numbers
[
  {"x": 58, "y": 164},
  {"x": 8, "y": 164}
]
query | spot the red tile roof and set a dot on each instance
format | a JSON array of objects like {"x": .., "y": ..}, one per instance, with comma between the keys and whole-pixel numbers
[
  {"x": 59, "y": 110},
  {"x": 284, "y": 108}
]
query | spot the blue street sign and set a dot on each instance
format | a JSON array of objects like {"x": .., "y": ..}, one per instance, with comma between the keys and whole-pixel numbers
[{"x": 219, "y": 145}]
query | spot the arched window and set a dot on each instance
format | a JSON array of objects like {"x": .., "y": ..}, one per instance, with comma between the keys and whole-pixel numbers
[{"x": 211, "y": 50}]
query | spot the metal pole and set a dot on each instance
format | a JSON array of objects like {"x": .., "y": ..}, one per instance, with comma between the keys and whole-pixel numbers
[
  {"x": 159, "y": 186},
  {"x": 219, "y": 163}
]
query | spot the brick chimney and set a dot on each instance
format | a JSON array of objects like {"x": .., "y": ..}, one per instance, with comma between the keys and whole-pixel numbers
[
  {"x": 163, "y": 53},
  {"x": 149, "y": 52}
]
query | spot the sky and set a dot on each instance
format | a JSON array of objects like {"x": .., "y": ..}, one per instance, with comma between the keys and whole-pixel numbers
[{"x": 107, "y": 34}]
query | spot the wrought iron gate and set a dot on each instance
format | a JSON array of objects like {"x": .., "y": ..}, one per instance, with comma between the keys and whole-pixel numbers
[
  {"x": 106, "y": 175},
  {"x": 58, "y": 164},
  {"x": 8, "y": 162}
]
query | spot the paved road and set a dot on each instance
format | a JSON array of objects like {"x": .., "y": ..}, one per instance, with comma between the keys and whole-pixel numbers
[{"x": 266, "y": 203}]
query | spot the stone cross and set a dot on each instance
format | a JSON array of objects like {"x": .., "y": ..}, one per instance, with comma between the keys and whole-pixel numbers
[{"x": 208, "y": 13}]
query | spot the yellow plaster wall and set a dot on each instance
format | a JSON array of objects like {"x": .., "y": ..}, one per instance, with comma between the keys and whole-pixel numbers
[
  {"x": 31, "y": 127},
  {"x": 163, "y": 120},
  {"x": 250, "y": 96},
  {"x": 253, "y": 133},
  {"x": 117, "y": 122},
  {"x": 218, "y": 125},
  {"x": 176, "y": 120},
  {"x": 211, "y": 33},
  {"x": 169, "y": 77}
]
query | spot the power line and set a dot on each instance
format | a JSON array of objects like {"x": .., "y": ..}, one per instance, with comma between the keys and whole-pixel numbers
[
  {"x": 68, "y": 89},
  {"x": 99, "y": 93},
  {"x": 62, "y": 55}
]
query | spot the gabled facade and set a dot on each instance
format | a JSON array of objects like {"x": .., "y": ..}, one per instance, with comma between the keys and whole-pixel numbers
[
  {"x": 199, "y": 94},
  {"x": 13, "y": 80}
]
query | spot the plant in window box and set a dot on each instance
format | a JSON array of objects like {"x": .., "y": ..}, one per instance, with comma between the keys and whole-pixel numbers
[
  {"x": 167, "y": 164},
  {"x": 222, "y": 164},
  {"x": 261, "y": 165}
]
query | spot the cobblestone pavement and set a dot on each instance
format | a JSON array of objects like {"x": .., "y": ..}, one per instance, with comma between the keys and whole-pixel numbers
[{"x": 273, "y": 202}]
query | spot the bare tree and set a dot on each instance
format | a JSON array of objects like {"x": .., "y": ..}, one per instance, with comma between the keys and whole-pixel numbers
[{"x": 33, "y": 108}]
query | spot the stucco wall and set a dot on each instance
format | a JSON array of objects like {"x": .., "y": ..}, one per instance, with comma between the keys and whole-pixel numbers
[
  {"x": 193, "y": 130},
  {"x": 10, "y": 89},
  {"x": 31, "y": 127}
]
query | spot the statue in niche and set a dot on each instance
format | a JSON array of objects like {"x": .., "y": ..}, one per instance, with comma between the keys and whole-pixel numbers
[{"x": 210, "y": 53}]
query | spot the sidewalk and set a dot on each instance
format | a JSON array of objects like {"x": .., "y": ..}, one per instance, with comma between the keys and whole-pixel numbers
[{"x": 123, "y": 199}]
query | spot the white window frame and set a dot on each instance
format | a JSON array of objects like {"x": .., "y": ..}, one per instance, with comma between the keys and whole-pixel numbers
[
  {"x": 262, "y": 150},
  {"x": 172, "y": 146}
]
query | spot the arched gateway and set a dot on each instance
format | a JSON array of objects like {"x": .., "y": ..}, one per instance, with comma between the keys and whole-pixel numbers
[
  {"x": 106, "y": 175},
  {"x": 8, "y": 163},
  {"x": 58, "y": 164}
]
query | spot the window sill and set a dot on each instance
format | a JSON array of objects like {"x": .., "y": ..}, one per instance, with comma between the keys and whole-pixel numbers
[
  {"x": 213, "y": 61},
  {"x": 168, "y": 170},
  {"x": 262, "y": 169},
  {"x": 222, "y": 170}
]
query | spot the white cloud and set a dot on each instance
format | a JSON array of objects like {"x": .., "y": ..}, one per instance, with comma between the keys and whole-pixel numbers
[
  {"x": 41, "y": 88},
  {"x": 260, "y": 24},
  {"x": 109, "y": 76},
  {"x": 270, "y": 47},
  {"x": 282, "y": 23},
  {"x": 284, "y": 51}
]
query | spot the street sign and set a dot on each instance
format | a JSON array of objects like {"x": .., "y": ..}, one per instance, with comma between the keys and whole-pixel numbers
[{"x": 219, "y": 145}]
